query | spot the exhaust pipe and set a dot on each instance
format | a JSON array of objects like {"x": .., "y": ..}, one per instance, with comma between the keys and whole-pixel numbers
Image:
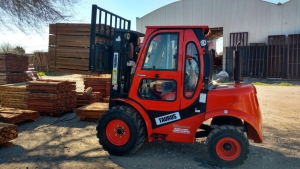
[{"x": 237, "y": 65}]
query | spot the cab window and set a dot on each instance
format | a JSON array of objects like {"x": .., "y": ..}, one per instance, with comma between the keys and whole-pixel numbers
[
  {"x": 192, "y": 68},
  {"x": 162, "y": 52},
  {"x": 161, "y": 89}
]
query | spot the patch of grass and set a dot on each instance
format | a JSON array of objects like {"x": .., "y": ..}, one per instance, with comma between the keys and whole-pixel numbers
[
  {"x": 41, "y": 73},
  {"x": 273, "y": 84}
]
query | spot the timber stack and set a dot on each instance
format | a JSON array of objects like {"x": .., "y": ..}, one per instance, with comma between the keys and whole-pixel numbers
[
  {"x": 41, "y": 61},
  {"x": 12, "y": 68},
  {"x": 14, "y": 116},
  {"x": 99, "y": 84},
  {"x": 86, "y": 99},
  {"x": 14, "y": 95},
  {"x": 51, "y": 97},
  {"x": 69, "y": 46},
  {"x": 8, "y": 132},
  {"x": 92, "y": 112}
]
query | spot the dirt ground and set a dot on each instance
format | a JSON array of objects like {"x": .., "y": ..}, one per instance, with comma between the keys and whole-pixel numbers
[{"x": 67, "y": 142}]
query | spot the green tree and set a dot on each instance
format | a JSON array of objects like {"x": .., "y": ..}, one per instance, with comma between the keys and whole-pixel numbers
[
  {"x": 29, "y": 15},
  {"x": 19, "y": 50}
]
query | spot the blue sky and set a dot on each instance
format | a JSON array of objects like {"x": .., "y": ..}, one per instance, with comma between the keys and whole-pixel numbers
[{"x": 129, "y": 9}]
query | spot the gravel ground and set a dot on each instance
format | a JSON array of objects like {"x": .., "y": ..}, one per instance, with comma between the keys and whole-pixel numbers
[{"x": 67, "y": 142}]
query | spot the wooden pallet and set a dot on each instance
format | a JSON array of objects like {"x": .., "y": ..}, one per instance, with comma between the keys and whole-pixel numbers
[
  {"x": 14, "y": 116},
  {"x": 8, "y": 132},
  {"x": 92, "y": 111}
]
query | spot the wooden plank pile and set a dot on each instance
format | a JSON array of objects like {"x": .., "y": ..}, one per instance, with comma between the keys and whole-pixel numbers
[
  {"x": 69, "y": 46},
  {"x": 99, "y": 84},
  {"x": 87, "y": 97},
  {"x": 92, "y": 112},
  {"x": 84, "y": 99},
  {"x": 14, "y": 95},
  {"x": 14, "y": 116},
  {"x": 8, "y": 132},
  {"x": 41, "y": 61},
  {"x": 51, "y": 97},
  {"x": 12, "y": 68}
]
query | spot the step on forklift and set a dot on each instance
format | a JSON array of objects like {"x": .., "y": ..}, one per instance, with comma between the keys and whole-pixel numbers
[{"x": 162, "y": 89}]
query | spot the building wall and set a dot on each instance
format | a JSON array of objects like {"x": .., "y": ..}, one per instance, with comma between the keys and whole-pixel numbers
[{"x": 257, "y": 17}]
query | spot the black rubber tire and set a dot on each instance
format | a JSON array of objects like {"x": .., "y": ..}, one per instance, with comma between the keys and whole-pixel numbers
[
  {"x": 227, "y": 131},
  {"x": 135, "y": 124}
]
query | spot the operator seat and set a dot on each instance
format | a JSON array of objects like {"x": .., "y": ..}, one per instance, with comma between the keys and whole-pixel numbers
[{"x": 168, "y": 90}]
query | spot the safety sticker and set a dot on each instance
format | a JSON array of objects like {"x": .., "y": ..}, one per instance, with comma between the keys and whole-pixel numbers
[
  {"x": 202, "y": 98},
  {"x": 115, "y": 69}
]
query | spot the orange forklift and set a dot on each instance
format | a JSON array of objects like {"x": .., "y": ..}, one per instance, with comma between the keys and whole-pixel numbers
[{"x": 162, "y": 90}]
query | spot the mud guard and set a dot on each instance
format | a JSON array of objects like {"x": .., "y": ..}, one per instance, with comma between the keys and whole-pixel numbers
[
  {"x": 254, "y": 126},
  {"x": 142, "y": 112}
]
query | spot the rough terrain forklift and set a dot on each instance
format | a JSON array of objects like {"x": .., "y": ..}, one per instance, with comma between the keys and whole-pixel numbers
[{"x": 161, "y": 89}]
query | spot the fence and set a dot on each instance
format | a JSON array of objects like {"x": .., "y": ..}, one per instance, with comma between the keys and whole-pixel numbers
[
  {"x": 253, "y": 58},
  {"x": 276, "y": 57},
  {"x": 275, "y": 60},
  {"x": 293, "y": 59}
]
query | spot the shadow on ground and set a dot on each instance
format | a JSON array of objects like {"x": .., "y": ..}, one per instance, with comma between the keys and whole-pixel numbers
[{"x": 71, "y": 143}]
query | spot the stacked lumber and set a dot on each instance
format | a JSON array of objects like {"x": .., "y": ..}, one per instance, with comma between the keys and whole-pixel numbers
[
  {"x": 12, "y": 68},
  {"x": 14, "y": 95},
  {"x": 92, "y": 112},
  {"x": 41, "y": 61},
  {"x": 51, "y": 97},
  {"x": 69, "y": 46},
  {"x": 8, "y": 132},
  {"x": 99, "y": 84},
  {"x": 14, "y": 116},
  {"x": 84, "y": 99}
]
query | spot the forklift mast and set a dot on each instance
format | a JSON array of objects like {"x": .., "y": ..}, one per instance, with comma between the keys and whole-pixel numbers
[{"x": 112, "y": 46}]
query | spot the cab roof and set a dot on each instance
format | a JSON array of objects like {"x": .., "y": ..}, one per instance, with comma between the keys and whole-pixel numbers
[{"x": 179, "y": 27}]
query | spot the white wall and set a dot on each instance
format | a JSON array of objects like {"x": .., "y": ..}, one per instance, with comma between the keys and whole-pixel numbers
[{"x": 258, "y": 18}]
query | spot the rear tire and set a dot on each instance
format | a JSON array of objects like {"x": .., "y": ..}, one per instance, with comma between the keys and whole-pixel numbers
[
  {"x": 227, "y": 146},
  {"x": 121, "y": 130}
]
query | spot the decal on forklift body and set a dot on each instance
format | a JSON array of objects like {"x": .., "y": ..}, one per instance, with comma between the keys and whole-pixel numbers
[
  {"x": 167, "y": 118},
  {"x": 118, "y": 39},
  {"x": 115, "y": 69},
  {"x": 203, "y": 43},
  {"x": 202, "y": 98},
  {"x": 182, "y": 131}
]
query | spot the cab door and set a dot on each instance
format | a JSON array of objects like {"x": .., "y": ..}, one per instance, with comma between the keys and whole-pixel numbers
[
  {"x": 158, "y": 78},
  {"x": 192, "y": 100}
]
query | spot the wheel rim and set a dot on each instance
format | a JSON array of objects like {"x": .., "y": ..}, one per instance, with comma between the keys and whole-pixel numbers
[
  {"x": 117, "y": 132},
  {"x": 228, "y": 149}
]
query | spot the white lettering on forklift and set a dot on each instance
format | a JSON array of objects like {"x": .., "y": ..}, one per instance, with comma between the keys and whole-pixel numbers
[
  {"x": 202, "y": 98},
  {"x": 167, "y": 118},
  {"x": 182, "y": 131},
  {"x": 115, "y": 69},
  {"x": 183, "y": 127}
]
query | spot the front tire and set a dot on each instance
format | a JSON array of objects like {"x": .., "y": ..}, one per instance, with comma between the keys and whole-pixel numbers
[
  {"x": 121, "y": 130},
  {"x": 227, "y": 146}
]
